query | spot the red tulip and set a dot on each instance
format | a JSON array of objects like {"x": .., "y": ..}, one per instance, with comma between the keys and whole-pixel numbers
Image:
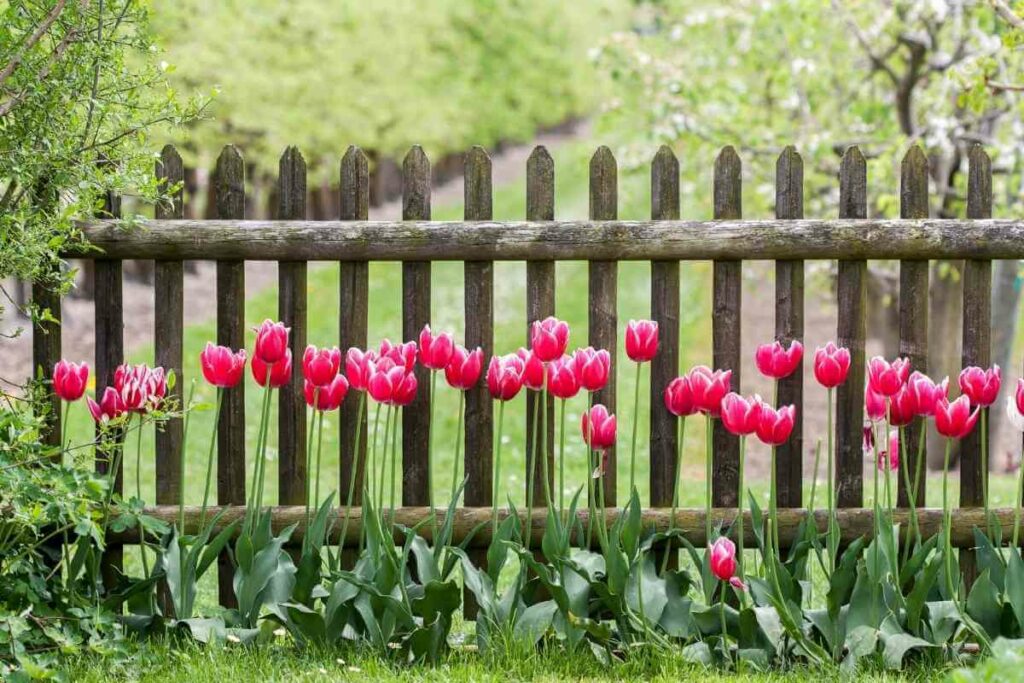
[
  {"x": 435, "y": 350},
  {"x": 955, "y": 419},
  {"x": 741, "y": 415},
  {"x": 549, "y": 338},
  {"x": 221, "y": 366},
  {"x": 592, "y": 368},
  {"x": 279, "y": 373},
  {"x": 874, "y": 404},
  {"x": 326, "y": 397},
  {"x": 391, "y": 383},
  {"x": 109, "y": 408},
  {"x": 271, "y": 341},
  {"x": 140, "y": 386},
  {"x": 886, "y": 378},
  {"x": 831, "y": 365},
  {"x": 1019, "y": 397},
  {"x": 709, "y": 388},
  {"x": 892, "y": 456},
  {"x": 926, "y": 393},
  {"x": 722, "y": 561},
  {"x": 464, "y": 368},
  {"x": 679, "y": 397},
  {"x": 902, "y": 408},
  {"x": 641, "y": 340},
  {"x": 401, "y": 354},
  {"x": 981, "y": 386},
  {"x": 505, "y": 376},
  {"x": 533, "y": 370},
  {"x": 321, "y": 366},
  {"x": 598, "y": 427},
  {"x": 775, "y": 361},
  {"x": 70, "y": 380},
  {"x": 357, "y": 367},
  {"x": 562, "y": 380},
  {"x": 775, "y": 426}
]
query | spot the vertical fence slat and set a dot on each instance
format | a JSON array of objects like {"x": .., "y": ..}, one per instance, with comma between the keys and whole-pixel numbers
[
  {"x": 168, "y": 333},
  {"x": 479, "y": 305},
  {"x": 851, "y": 295},
  {"x": 540, "y": 303},
  {"x": 292, "y": 310},
  {"x": 46, "y": 352},
  {"x": 353, "y": 317},
  {"x": 416, "y": 314},
  {"x": 229, "y": 179},
  {"x": 789, "y": 326},
  {"x": 603, "y": 295},
  {"x": 726, "y": 311},
  {"x": 914, "y": 298},
  {"x": 664, "y": 311}
]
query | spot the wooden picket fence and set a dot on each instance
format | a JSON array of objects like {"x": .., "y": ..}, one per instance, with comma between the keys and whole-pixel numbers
[{"x": 665, "y": 240}]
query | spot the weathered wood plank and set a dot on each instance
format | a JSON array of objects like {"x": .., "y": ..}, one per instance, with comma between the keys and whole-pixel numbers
[
  {"x": 416, "y": 314},
  {"x": 726, "y": 316},
  {"x": 665, "y": 311},
  {"x": 851, "y": 296},
  {"x": 789, "y": 326},
  {"x": 229, "y": 182},
  {"x": 292, "y": 309},
  {"x": 603, "y": 277},
  {"x": 169, "y": 331},
  {"x": 873, "y": 238},
  {"x": 540, "y": 303},
  {"x": 914, "y": 297}
]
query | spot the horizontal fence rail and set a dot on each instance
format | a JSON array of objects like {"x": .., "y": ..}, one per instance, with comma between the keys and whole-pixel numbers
[{"x": 252, "y": 240}]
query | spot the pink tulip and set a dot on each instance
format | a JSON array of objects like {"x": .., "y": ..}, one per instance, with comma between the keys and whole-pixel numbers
[
  {"x": 464, "y": 369},
  {"x": 1019, "y": 396},
  {"x": 505, "y": 376},
  {"x": 401, "y": 354},
  {"x": 70, "y": 380},
  {"x": 278, "y": 374},
  {"x": 722, "y": 561},
  {"x": 549, "y": 338},
  {"x": 326, "y": 397},
  {"x": 321, "y": 366},
  {"x": 679, "y": 397},
  {"x": 709, "y": 388},
  {"x": 955, "y": 419},
  {"x": 592, "y": 368},
  {"x": 641, "y": 340},
  {"x": 435, "y": 350},
  {"x": 902, "y": 408},
  {"x": 271, "y": 341},
  {"x": 562, "y": 380},
  {"x": 981, "y": 386},
  {"x": 777, "y": 362},
  {"x": 740, "y": 415},
  {"x": 391, "y": 383},
  {"x": 533, "y": 369},
  {"x": 775, "y": 426},
  {"x": 221, "y": 366},
  {"x": 598, "y": 428},
  {"x": 357, "y": 367},
  {"x": 926, "y": 393},
  {"x": 874, "y": 404},
  {"x": 140, "y": 386},
  {"x": 831, "y": 365},
  {"x": 886, "y": 378},
  {"x": 109, "y": 408}
]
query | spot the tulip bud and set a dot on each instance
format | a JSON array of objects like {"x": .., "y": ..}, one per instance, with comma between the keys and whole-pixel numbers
[
  {"x": 321, "y": 366},
  {"x": 549, "y": 338},
  {"x": 641, "y": 340},
  {"x": 775, "y": 426},
  {"x": 598, "y": 428},
  {"x": 886, "y": 378},
  {"x": 271, "y": 341},
  {"x": 505, "y": 376},
  {"x": 70, "y": 380},
  {"x": 464, "y": 368},
  {"x": 221, "y": 366},
  {"x": 562, "y": 380},
  {"x": 679, "y": 397},
  {"x": 435, "y": 350},
  {"x": 278, "y": 374},
  {"x": 981, "y": 386},
  {"x": 831, "y": 365},
  {"x": 740, "y": 415},
  {"x": 592, "y": 368},
  {"x": 777, "y": 362}
]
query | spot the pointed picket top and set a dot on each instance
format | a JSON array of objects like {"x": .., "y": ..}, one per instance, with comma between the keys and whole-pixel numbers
[
  {"x": 171, "y": 172},
  {"x": 853, "y": 184},
  {"x": 291, "y": 185},
  {"x": 416, "y": 185},
  {"x": 230, "y": 183},
  {"x": 789, "y": 184},
  {"x": 355, "y": 185},
  {"x": 665, "y": 185},
  {"x": 604, "y": 193},
  {"x": 728, "y": 185},
  {"x": 979, "y": 183},
  {"x": 914, "y": 184},
  {"x": 477, "y": 193},
  {"x": 540, "y": 185}
]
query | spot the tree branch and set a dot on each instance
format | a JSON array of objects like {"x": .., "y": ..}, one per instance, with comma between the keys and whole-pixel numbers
[
  {"x": 32, "y": 40},
  {"x": 1008, "y": 15}
]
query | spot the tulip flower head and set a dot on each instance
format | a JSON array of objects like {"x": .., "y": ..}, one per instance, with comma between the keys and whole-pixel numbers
[
  {"x": 109, "y": 408},
  {"x": 981, "y": 386},
  {"x": 954, "y": 419},
  {"x": 436, "y": 350},
  {"x": 641, "y": 340},
  {"x": 391, "y": 383},
  {"x": 533, "y": 369},
  {"x": 775, "y": 361},
  {"x": 592, "y": 368},
  {"x": 321, "y": 366},
  {"x": 709, "y": 388},
  {"x": 926, "y": 393},
  {"x": 464, "y": 368},
  {"x": 903, "y": 407},
  {"x": 549, "y": 338},
  {"x": 70, "y": 380},
  {"x": 886, "y": 378},
  {"x": 271, "y": 341},
  {"x": 722, "y": 561},
  {"x": 357, "y": 367},
  {"x": 277, "y": 374},
  {"x": 563, "y": 382},
  {"x": 679, "y": 397},
  {"x": 598, "y": 428},
  {"x": 222, "y": 367},
  {"x": 326, "y": 397},
  {"x": 831, "y": 365},
  {"x": 401, "y": 354},
  {"x": 775, "y": 426},
  {"x": 140, "y": 386},
  {"x": 505, "y": 376},
  {"x": 1019, "y": 396},
  {"x": 874, "y": 404},
  {"x": 741, "y": 415}
]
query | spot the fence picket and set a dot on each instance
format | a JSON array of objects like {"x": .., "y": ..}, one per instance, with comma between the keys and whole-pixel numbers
[
  {"x": 46, "y": 352},
  {"x": 851, "y": 295},
  {"x": 726, "y": 308}
]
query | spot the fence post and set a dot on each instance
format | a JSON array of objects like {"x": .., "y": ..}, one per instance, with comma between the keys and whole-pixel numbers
[
  {"x": 727, "y": 300},
  {"x": 229, "y": 182},
  {"x": 851, "y": 296},
  {"x": 603, "y": 285},
  {"x": 46, "y": 352}
]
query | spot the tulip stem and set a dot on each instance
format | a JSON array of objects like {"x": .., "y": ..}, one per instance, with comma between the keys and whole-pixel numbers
[
  {"x": 721, "y": 611},
  {"x": 64, "y": 445},
  {"x": 353, "y": 469},
  {"x": 209, "y": 458},
  {"x": 636, "y": 423},
  {"x": 910, "y": 494},
  {"x": 602, "y": 526},
  {"x": 371, "y": 459},
  {"x": 384, "y": 458},
  {"x": 707, "y": 476},
  {"x": 680, "y": 435},
  {"x": 497, "y": 472},
  {"x": 265, "y": 419},
  {"x": 830, "y": 489},
  {"x": 1017, "y": 505},
  {"x": 947, "y": 523},
  {"x": 548, "y": 493},
  {"x": 309, "y": 449},
  {"x": 561, "y": 459},
  {"x": 319, "y": 444},
  {"x": 739, "y": 512},
  {"x": 591, "y": 497},
  {"x": 430, "y": 452},
  {"x": 394, "y": 460},
  {"x": 531, "y": 472},
  {"x": 773, "y": 511},
  {"x": 181, "y": 460},
  {"x": 138, "y": 493},
  {"x": 984, "y": 469},
  {"x": 458, "y": 447}
]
